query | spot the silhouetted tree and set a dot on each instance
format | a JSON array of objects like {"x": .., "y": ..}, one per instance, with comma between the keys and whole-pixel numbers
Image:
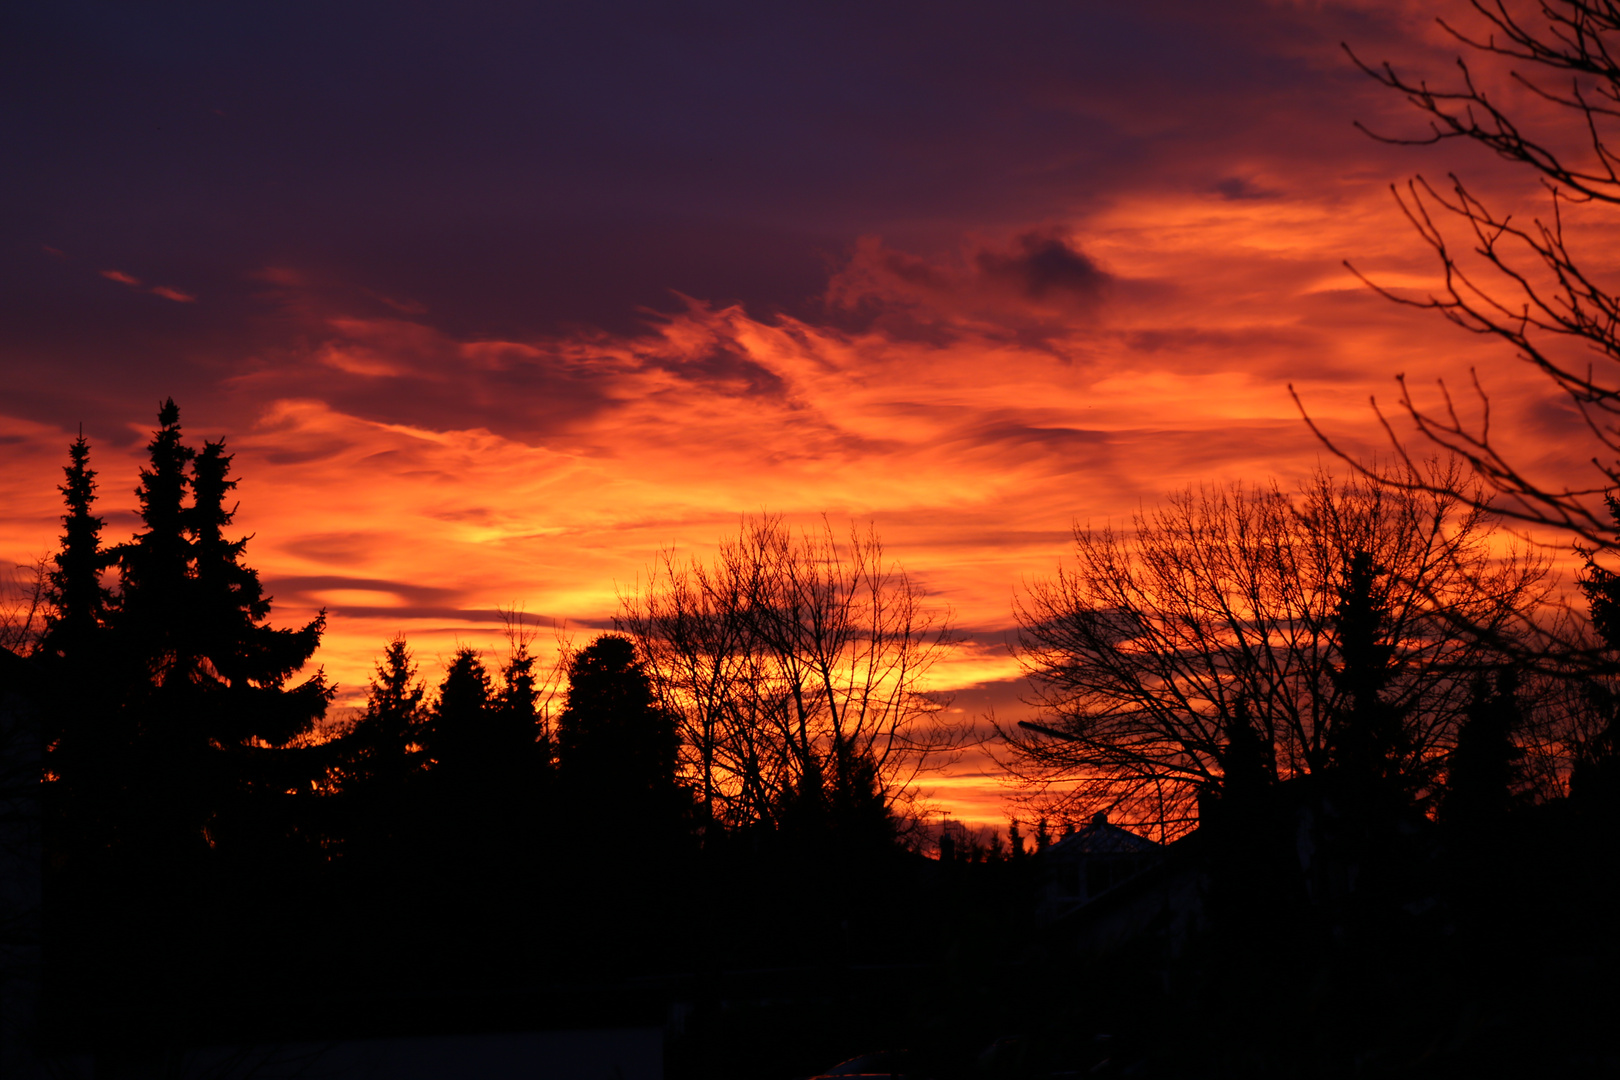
[
  {"x": 860, "y": 813},
  {"x": 382, "y": 747},
  {"x": 153, "y": 578},
  {"x": 191, "y": 686},
  {"x": 1483, "y": 771},
  {"x": 1248, "y": 764},
  {"x": 1355, "y": 605},
  {"x": 25, "y": 606},
  {"x": 792, "y": 659},
  {"x": 78, "y": 601},
  {"x": 1513, "y": 277},
  {"x": 86, "y": 746},
  {"x": 179, "y": 820},
  {"x": 519, "y": 731},
  {"x": 242, "y": 661},
  {"x": 132, "y": 764},
  {"x": 457, "y": 736},
  {"x": 1601, "y": 588},
  {"x": 1368, "y": 739},
  {"x": 617, "y": 747}
]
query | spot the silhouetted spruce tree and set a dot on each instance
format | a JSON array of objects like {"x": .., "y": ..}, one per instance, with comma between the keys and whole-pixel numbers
[
  {"x": 519, "y": 732},
  {"x": 1367, "y": 745},
  {"x": 79, "y": 602},
  {"x": 385, "y": 812},
  {"x": 86, "y": 747},
  {"x": 476, "y": 837},
  {"x": 1248, "y": 766},
  {"x": 186, "y": 767},
  {"x": 859, "y": 814},
  {"x": 802, "y": 813},
  {"x": 836, "y": 807},
  {"x": 1248, "y": 838},
  {"x": 154, "y": 801},
  {"x": 521, "y": 747},
  {"x": 1484, "y": 769},
  {"x": 248, "y": 662},
  {"x": 458, "y": 735},
  {"x": 616, "y": 749},
  {"x": 1366, "y": 867},
  {"x": 383, "y": 748},
  {"x": 202, "y": 679},
  {"x": 153, "y": 567}
]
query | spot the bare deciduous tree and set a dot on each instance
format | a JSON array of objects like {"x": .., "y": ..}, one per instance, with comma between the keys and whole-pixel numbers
[
  {"x": 793, "y": 661},
  {"x": 1215, "y": 618},
  {"x": 1518, "y": 279},
  {"x": 25, "y": 600}
]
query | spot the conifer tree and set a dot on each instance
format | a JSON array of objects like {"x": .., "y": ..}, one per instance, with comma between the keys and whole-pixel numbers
[
  {"x": 519, "y": 730},
  {"x": 383, "y": 746},
  {"x": 1366, "y": 742},
  {"x": 457, "y": 735},
  {"x": 153, "y": 567},
  {"x": 1248, "y": 762},
  {"x": 250, "y": 662},
  {"x": 1248, "y": 768},
  {"x": 88, "y": 745},
  {"x": 860, "y": 814},
  {"x": 79, "y": 601},
  {"x": 201, "y": 679},
  {"x": 1484, "y": 768},
  {"x": 616, "y": 749}
]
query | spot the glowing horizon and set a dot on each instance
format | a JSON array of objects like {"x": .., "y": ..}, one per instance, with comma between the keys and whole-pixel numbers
[{"x": 972, "y": 329}]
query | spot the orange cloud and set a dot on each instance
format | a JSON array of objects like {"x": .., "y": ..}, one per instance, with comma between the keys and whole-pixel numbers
[
  {"x": 1039, "y": 283},
  {"x": 413, "y": 475}
]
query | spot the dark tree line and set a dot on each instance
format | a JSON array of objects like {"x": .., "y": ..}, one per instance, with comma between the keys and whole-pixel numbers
[
  {"x": 213, "y": 838},
  {"x": 715, "y": 791}
]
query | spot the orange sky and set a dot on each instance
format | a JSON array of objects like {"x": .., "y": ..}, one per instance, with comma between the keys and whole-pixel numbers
[{"x": 975, "y": 384}]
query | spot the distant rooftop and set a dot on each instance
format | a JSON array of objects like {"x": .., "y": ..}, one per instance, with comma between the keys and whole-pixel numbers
[{"x": 1102, "y": 838}]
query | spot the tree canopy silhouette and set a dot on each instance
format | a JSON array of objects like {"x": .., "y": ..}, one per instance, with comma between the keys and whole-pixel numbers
[
  {"x": 617, "y": 747},
  {"x": 383, "y": 746},
  {"x": 191, "y": 687},
  {"x": 1239, "y": 630},
  {"x": 78, "y": 601},
  {"x": 794, "y": 662}
]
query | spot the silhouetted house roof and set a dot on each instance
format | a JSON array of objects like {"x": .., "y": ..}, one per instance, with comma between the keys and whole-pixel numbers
[
  {"x": 1100, "y": 837},
  {"x": 1108, "y": 887},
  {"x": 1091, "y": 861}
]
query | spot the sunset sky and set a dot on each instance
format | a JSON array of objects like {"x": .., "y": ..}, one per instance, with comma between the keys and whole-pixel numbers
[{"x": 494, "y": 300}]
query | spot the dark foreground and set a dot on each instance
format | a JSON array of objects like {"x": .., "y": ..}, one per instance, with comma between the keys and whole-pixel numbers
[{"x": 1434, "y": 955}]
